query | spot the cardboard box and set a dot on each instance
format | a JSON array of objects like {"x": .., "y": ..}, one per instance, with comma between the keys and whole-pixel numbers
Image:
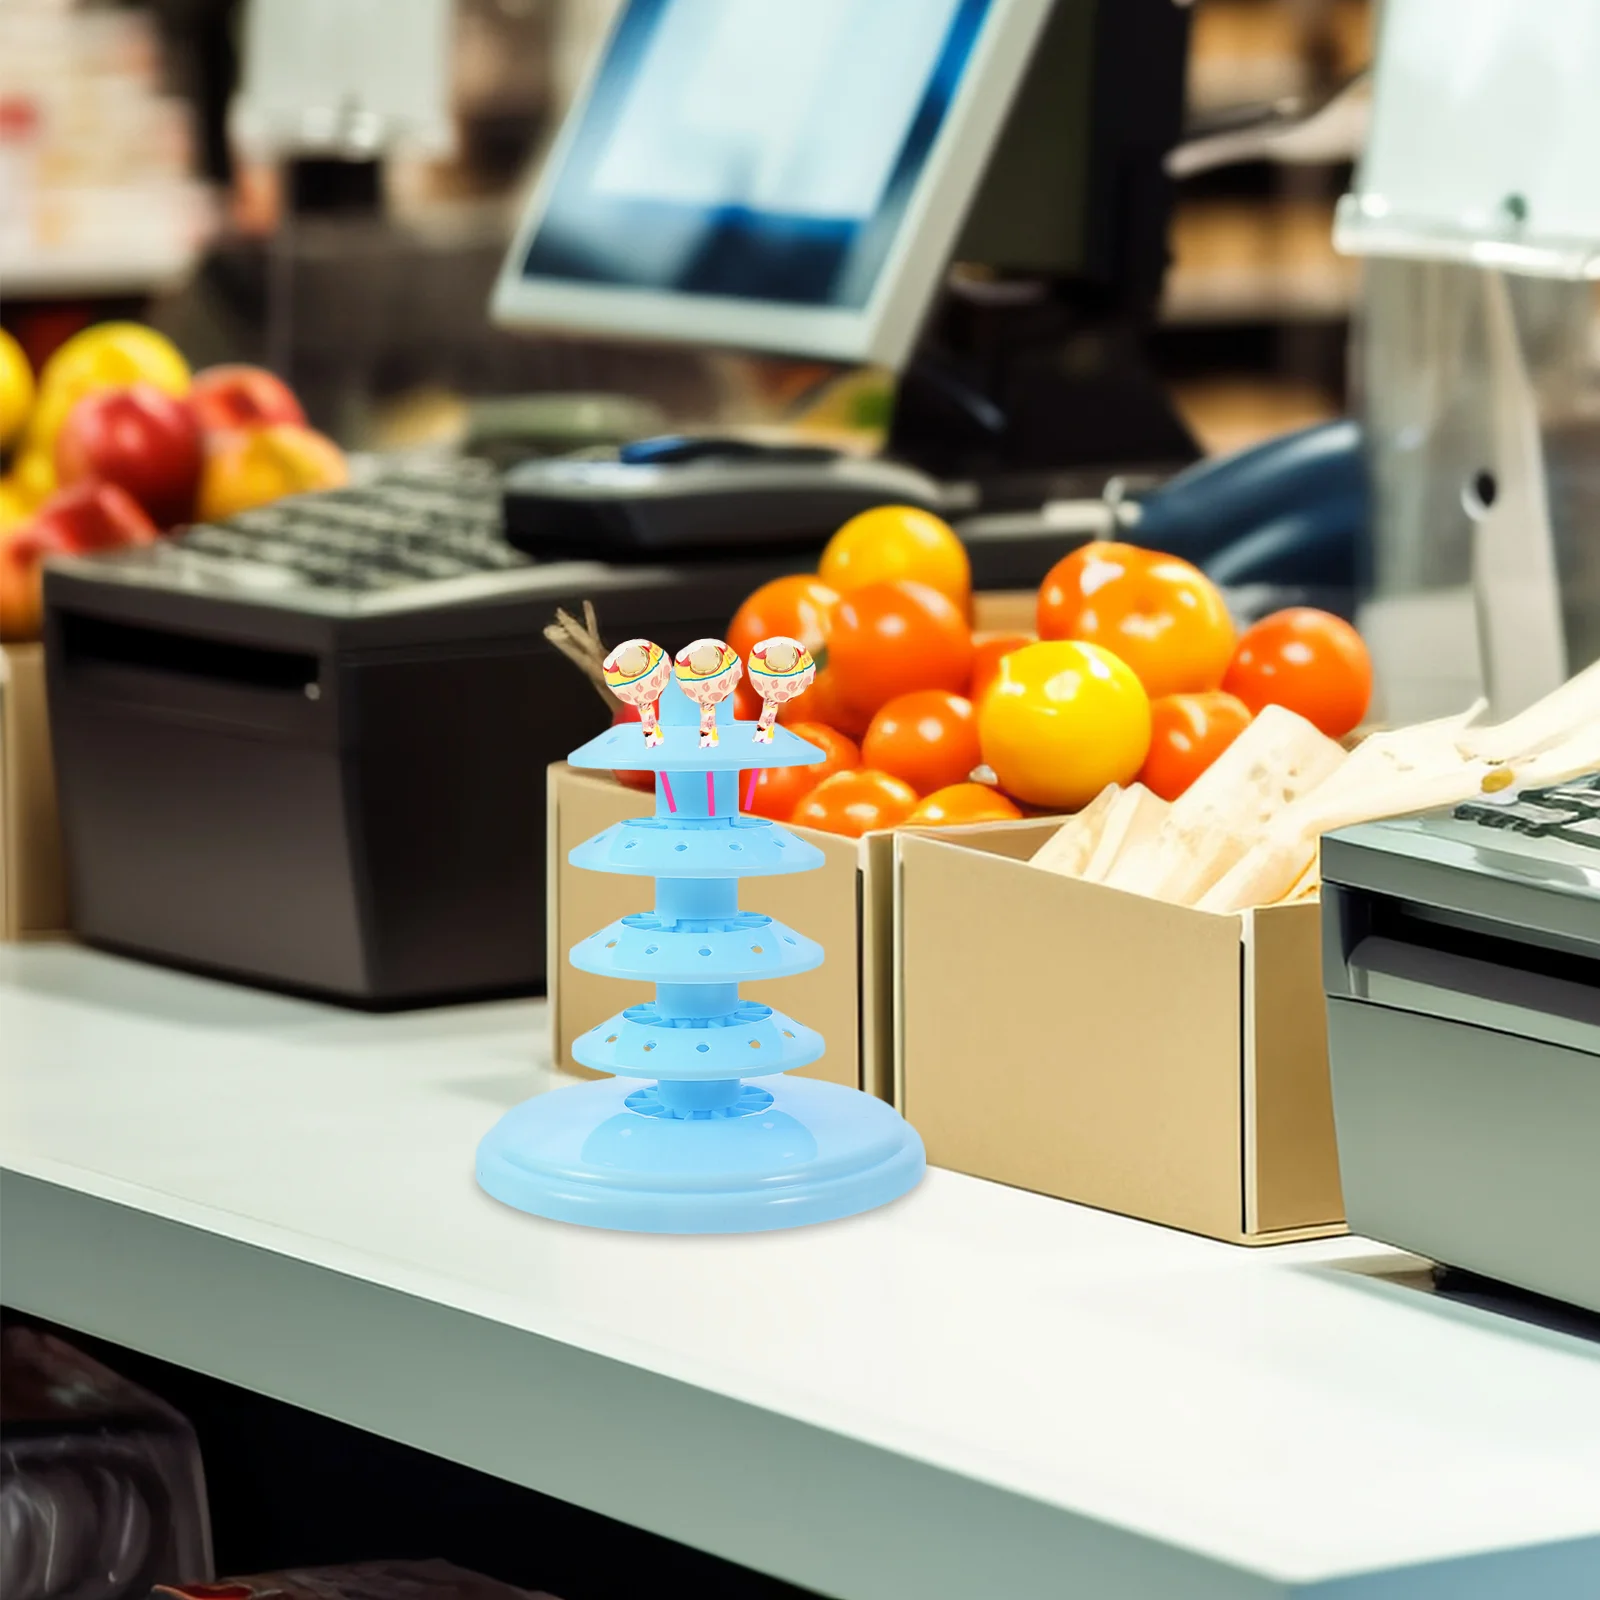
[
  {"x": 845, "y": 905},
  {"x": 1102, "y": 1047},
  {"x": 33, "y": 882}
]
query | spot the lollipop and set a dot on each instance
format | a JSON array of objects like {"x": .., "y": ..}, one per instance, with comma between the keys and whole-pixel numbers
[
  {"x": 780, "y": 669},
  {"x": 707, "y": 672},
  {"x": 636, "y": 672}
]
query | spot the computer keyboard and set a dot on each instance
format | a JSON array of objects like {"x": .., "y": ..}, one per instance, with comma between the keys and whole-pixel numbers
[{"x": 408, "y": 525}]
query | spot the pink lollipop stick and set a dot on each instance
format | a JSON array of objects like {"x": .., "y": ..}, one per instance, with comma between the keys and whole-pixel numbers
[
  {"x": 666, "y": 783},
  {"x": 750, "y": 787}
]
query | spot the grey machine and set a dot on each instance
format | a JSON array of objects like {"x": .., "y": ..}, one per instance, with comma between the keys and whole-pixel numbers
[{"x": 1461, "y": 956}]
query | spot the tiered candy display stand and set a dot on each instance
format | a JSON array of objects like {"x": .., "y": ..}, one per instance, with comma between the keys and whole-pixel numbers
[{"x": 701, "y": 1129}]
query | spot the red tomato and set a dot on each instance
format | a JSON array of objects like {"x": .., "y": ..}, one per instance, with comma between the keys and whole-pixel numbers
[
  {"x": 797, "y": 607},
  {"x": 1308, "y": 661},
  {"x": 780, "y": 789},
  {"x": 986, "y": 657},
  {"x": 963, "y": 802},
  {"x": 1165, "y": 618},
  {"x": 891, "y": 638},
  {"x": 929, "y": 738},
  {"x": 1187, "y": 733},
  {"x": 854, "y": 803}
]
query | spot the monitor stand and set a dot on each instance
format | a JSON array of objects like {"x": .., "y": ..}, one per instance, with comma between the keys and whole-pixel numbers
[{"x": 1023, "y": 390}]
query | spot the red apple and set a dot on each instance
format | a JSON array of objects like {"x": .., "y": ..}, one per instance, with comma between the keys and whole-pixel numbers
[
  {"x": 22, "y": 553},
  {"x": 229, "y": 399},
  {"x": 91, "y": 516},
  {"x": 140, "y": 439}
]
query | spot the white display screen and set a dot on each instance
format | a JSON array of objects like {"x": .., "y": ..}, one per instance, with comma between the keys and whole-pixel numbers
[
  {"x": 773, "y": 106},
  {"x": 758, "y": 148}
]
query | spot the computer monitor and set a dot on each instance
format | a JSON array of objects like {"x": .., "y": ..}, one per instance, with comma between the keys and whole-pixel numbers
[{"x": 770, "y": 175}]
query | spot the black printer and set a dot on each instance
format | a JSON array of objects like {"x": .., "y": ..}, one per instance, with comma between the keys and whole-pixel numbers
[{"x": 307, "y": 747}]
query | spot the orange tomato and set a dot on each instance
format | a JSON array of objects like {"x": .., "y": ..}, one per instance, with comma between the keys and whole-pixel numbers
[
  {"x": 928, "y": 737},
  {"x": 986, "y": 654},
  {"x": 779, "y": 790},
  {"x": 1062, "y": 721},
  {"x": 1165, "y": 618},
  {"x": 1308, "y": 661},
  {"x": 1187, "y": 733},
  {"x": 797, "y": 606},
  {"x": 962, "y": 802},
  {"x": 891, "y": 638},
  {"x": 854, "y": 803},
  {"x": 891, "y": 542}
]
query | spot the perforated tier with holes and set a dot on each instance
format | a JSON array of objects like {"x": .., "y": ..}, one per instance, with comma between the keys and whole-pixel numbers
[
  {"x": 751, "y": 1041},
  {"x": 622, "y": 748},
  {"x": 740, "y": 949},
  {"x": 698, "y": 1148},
  {"x": 697, "y": 847}
]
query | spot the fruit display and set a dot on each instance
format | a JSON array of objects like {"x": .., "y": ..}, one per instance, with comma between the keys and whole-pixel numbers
[
  {"x": 1137, "y": 680},
  {"x": 116, "y": 442}
]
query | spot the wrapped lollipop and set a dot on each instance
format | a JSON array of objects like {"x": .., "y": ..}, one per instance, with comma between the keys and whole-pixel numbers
[
  {"x": 780, "y": 669},
  {"x": 708, "y": 672},
  {"x": 636, "y": 672}
]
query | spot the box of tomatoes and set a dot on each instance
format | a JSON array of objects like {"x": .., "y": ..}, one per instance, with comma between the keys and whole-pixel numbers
[
  {"x": 905, "y": 651},
  {"x": 1125, "y": 1008}
]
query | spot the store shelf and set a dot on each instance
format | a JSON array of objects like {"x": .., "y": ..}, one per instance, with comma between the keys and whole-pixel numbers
[
  {"x": 92, "y": 274},
  {"x": 974, "y": 1392}
]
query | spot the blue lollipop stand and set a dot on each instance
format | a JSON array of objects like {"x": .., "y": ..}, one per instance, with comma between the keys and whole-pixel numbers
[{"x": 700, "y": 1130}]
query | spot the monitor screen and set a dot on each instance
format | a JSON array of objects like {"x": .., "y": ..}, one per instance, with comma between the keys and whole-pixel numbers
[{"x": 764, "y": 152}]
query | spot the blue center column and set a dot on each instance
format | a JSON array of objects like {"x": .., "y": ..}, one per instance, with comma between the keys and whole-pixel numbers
[{"x": 697, "y": 1147}]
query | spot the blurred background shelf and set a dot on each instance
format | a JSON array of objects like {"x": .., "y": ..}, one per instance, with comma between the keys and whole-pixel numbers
[{"x": 1256, "y": 314}]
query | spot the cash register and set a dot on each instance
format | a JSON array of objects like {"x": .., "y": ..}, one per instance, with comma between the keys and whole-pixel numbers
[
  {"x": 1461, "y": 955},
  {"x": 307, "y": 747}
]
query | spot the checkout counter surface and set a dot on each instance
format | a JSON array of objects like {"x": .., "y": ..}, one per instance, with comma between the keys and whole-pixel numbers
[{"x": 974, "y": 1391}]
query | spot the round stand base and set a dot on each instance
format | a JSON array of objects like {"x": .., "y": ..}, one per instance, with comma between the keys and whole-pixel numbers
[{"x": 816, "y": 1152}]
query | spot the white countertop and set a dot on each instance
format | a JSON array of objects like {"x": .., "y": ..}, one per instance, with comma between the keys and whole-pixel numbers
[{"x": 975, "y": 1392}]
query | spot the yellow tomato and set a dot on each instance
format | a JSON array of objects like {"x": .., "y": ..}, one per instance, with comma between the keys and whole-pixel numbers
[
  {"x": 891, "y": 542},
  {"x": 1061, "y": 721},
  {"x": 16, "y": 388},
  {"x": 108, "y": 355}
]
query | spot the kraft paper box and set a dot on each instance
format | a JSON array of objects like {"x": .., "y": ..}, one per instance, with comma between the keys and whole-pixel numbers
[
  {"x": 33, "y": 887},
  {"x": 844, "y": 905},
  {"x": 1106, "y": 1048}
]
